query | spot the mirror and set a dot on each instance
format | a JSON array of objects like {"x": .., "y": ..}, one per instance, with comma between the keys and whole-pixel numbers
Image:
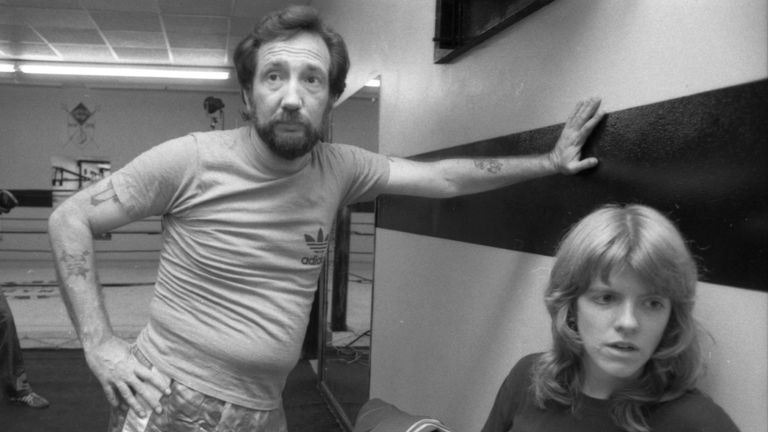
[{"x": 346, "y": 288}]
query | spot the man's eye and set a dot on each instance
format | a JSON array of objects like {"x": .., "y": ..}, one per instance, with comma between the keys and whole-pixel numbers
[
  {"x": 273, "y": 76},
  {"x": 314, "y": 80}
]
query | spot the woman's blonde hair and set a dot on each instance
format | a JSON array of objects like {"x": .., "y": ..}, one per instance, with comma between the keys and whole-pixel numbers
[{"x": 641, "y": 239}]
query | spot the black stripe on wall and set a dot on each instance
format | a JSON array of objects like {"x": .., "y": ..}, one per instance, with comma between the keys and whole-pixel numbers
[
  {"x": 701, "y": 159},
  {"x": 33, "y": 197}
]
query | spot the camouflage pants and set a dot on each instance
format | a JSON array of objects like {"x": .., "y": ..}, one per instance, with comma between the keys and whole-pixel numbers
[{"x": 187, "y": 410}]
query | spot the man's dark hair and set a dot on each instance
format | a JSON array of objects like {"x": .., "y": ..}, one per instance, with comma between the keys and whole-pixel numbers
[{"x": 284, "y": 24}]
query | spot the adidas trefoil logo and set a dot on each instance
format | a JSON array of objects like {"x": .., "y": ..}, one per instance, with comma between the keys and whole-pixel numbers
[{"x": 318, "y": 246}]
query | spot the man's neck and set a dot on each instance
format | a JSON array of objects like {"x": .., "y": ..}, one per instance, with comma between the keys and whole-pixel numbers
[{"x": 273, "y": 161}]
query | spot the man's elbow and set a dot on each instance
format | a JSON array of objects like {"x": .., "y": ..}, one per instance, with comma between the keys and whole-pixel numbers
[
  {"x": 452, "y": 188},
  {"x": 56, "y": 220},
  {"x": 63, "y": 216}
]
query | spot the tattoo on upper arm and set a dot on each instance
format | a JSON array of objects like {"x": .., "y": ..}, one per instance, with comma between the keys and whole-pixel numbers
[
  {"x": 76, "y": 265},
  {"x": 493, "y": 166},
  {"x": 107, "y": 194}
]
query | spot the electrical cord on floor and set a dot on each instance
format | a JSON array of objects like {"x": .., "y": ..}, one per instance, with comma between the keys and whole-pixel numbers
[
  {"x": 359, "y": 279},
  {"x": 365, "y": 333},
  {"x": 353, "y": 355},
  {"x": 349, "y": 353}
]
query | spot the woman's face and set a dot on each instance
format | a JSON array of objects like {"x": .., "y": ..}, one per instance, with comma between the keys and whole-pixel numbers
[{"x": 621, "y": 322}]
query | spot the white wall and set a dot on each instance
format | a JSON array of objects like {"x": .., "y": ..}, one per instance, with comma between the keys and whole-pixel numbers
[
  {"x": 126, "y": 122},
  {"x": 34, "y": 127},
  {"x": 356, "y": 121},
  {"x": 450, "y": 318}
]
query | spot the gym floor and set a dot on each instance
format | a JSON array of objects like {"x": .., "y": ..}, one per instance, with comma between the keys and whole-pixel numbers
[{"x": 57, "y": 368}]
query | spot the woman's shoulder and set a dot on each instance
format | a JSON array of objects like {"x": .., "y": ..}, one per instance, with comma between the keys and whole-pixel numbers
[
  {"x": 521, "y": 371},
  {"x": 693, "y": 411},
  {"x": 528, "y": 361}
]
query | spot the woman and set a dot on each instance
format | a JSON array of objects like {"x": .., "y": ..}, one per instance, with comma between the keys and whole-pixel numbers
[{"x": 625, "y": 354}]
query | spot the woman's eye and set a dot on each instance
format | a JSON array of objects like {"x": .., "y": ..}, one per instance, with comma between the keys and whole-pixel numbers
[
  {"x": 604, "y": 298},
  {"x": 656, "y": 304}
]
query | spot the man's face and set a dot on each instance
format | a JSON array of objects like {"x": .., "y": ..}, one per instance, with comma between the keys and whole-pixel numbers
[{"x": 290, "y": 95}]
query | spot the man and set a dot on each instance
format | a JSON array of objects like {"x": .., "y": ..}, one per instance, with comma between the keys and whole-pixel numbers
[
  {"x": 241, "y": 209},
  {"x": 13, "y": 376}
]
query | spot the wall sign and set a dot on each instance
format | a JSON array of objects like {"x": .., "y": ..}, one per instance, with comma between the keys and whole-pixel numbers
[
  {"x": 80, "y": 131},
  {"x": 463, "y": 24}
]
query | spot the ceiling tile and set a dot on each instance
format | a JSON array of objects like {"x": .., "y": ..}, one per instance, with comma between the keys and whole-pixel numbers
[
  {"x": 131, "y": 39},
  {"x": 232, "y": 43},
  {"x": 71, "y": 36},
  {"x": 18, "y": 33},
  {"x": 252, "y": 8},
  {"x": 47, "y": 4},
  {"x": 194, "y": 40},
  {"x": 86, "y": 53},
  {"x": 64, "y": 18},
  {"x": 10, "y": 16},
  {"x": 131, "y": 21},
  {"x": 196, "y": 7},
  {"x": 121, "y": 5},
  {"x": 189, "y": 24},
  {"x": 161, "y": 32},
  {"x": 142, "y": 55},
  {"x": 29, "y": 51},
  {"x": 198, "y": 57},
  {"x": 239, "y": 27}
]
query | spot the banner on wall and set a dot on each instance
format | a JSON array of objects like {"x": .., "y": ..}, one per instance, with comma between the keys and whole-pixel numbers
[{"x": 80, "y": 128}]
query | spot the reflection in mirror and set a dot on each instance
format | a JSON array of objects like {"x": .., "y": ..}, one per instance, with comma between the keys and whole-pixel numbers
[{"x": 347, "y": 286}]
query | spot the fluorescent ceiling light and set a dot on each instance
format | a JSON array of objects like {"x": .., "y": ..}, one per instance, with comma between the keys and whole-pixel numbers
[
  {"x": 7, "y": 67},
  {"x": 375, "y": 82},
  {"x": 123, "y": 71}
]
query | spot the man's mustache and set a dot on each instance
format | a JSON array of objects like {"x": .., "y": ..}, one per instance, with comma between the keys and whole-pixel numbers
[{"x": 290, "y": 117}]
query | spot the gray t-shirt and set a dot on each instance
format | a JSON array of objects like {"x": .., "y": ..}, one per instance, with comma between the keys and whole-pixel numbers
[{"x": 244, "y": 239}]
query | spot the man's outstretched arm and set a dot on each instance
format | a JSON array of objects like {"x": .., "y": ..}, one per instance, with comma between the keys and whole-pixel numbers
[{"x": 460, "y": 176}]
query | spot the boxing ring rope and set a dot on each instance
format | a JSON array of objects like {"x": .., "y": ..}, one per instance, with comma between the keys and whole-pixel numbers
[{"x": 27, "y": 277}]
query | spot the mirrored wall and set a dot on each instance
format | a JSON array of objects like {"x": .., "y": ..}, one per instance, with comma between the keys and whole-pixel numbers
[{"x": 346, "y": 289}]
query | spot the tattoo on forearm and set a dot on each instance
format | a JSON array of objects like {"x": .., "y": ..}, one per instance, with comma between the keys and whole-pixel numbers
[
  {"x": 493, "y": 166},
  {"x": 105, "y": 195},
  {"x": 76, "y": 265}
]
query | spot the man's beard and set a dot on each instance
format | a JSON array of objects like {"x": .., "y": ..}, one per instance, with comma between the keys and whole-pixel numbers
[{"x": 290, "y": 146}]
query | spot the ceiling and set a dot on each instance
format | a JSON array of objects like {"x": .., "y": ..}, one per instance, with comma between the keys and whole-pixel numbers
[{"x": 201, "y": 33}]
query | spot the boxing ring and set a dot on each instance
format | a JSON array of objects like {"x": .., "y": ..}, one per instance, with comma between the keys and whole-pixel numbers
[{"x": 127, "y": 261}]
